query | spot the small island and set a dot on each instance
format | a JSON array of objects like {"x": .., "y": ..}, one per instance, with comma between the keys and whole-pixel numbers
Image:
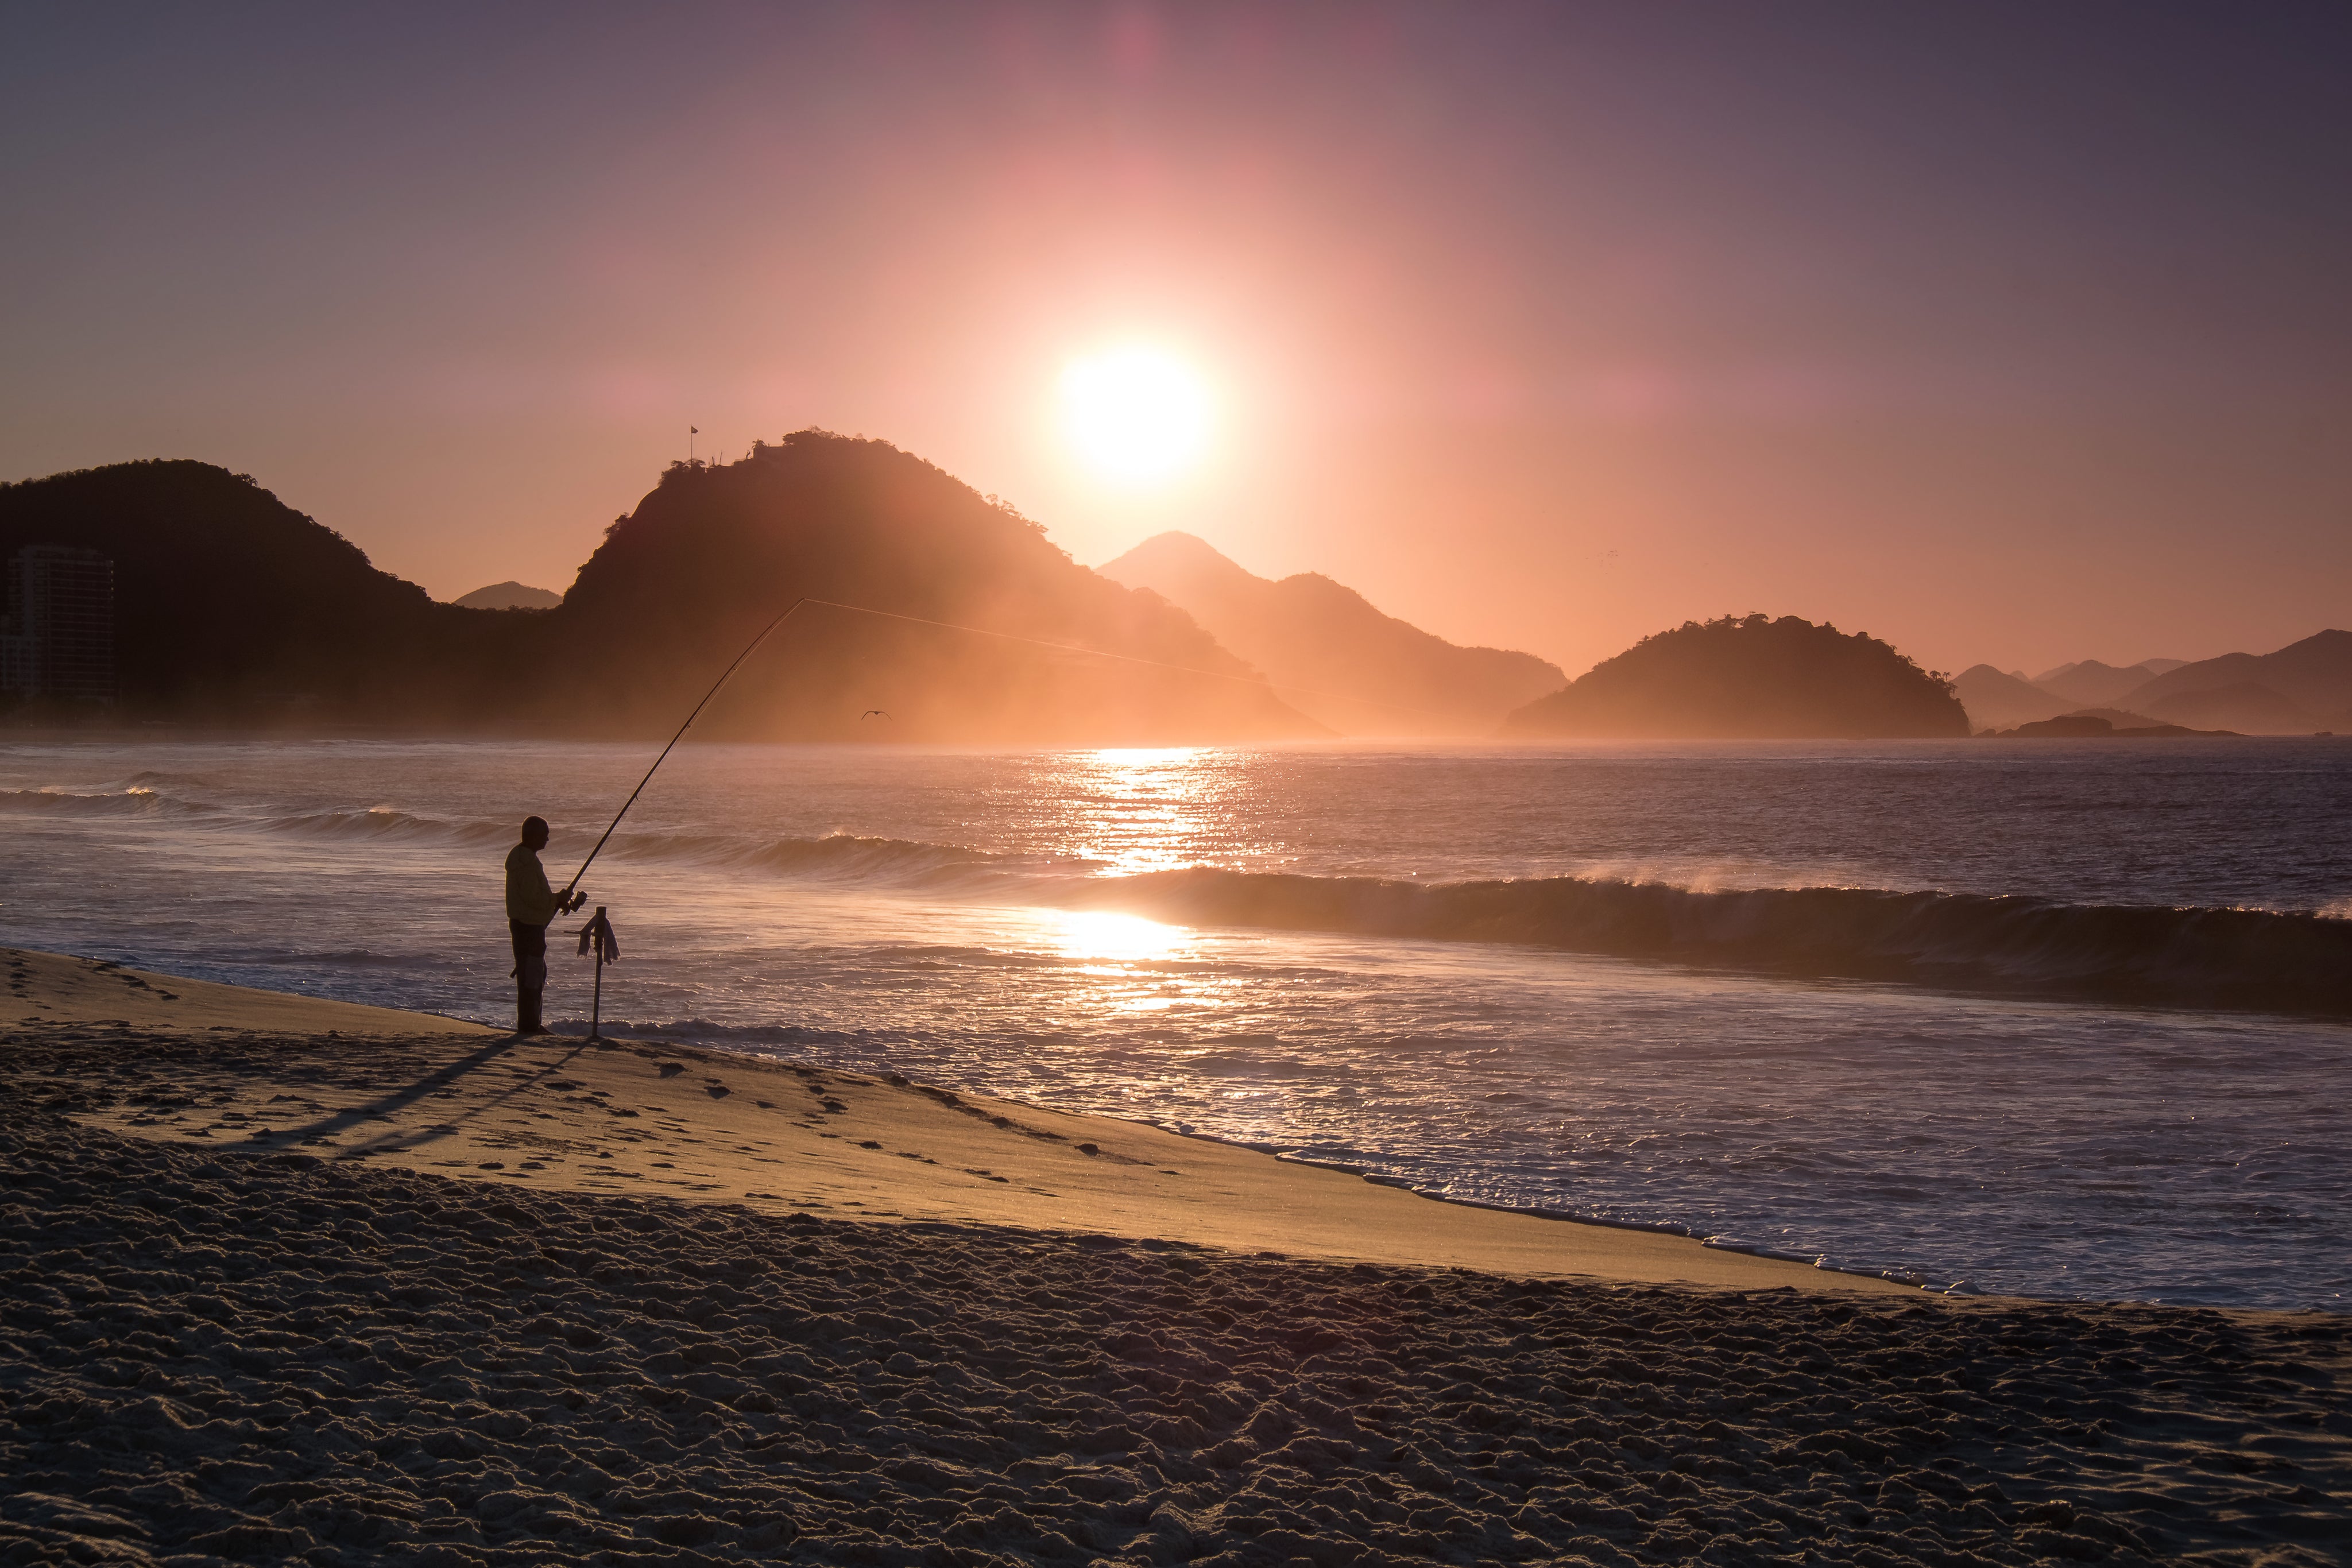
[
  {"x": 2092, "y": 727},
  {"x": 1750, "y": 678}
]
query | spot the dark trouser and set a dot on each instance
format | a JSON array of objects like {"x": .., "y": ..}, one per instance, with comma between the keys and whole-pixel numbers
[{"x": 530, "y": 974}]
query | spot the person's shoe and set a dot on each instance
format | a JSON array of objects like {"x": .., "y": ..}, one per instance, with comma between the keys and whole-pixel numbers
[{"x": 527, "y": 1014}]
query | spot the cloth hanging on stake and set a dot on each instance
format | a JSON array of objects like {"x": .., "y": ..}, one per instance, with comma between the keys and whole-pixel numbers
[
  {"x": 597, "y": 937},
  {"x": 598, "y": 934}
]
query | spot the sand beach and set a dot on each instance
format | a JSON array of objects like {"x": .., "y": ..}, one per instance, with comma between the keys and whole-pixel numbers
[{"x": 293, "y": 1281}]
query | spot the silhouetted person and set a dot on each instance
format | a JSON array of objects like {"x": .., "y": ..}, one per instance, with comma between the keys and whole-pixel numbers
[{"x": 531, "y": 905}]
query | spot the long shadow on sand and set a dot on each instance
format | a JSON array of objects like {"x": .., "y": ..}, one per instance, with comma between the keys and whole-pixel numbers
[{"x": 386, "y": 1105}]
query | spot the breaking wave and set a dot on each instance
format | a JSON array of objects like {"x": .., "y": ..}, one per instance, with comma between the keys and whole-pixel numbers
[
  {"x": 138, "y": 800},
  {"x": 384, "y": 822},
  {"x": 852, "y": 860},
  {"x": 2236, "y": 959},
  {"x": 2198, "y": 957}
]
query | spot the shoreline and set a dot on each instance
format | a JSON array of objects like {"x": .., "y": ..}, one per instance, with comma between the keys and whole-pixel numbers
[
  {"x": 407, "y": 1291},
  {"x": 557, "y": 1111},
  {"x": 85, "y": 992},
  {"x": 82, "y": 992}
]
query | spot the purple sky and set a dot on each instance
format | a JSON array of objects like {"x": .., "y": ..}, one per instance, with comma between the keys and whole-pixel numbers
[{"x": 2017, "y": 333}]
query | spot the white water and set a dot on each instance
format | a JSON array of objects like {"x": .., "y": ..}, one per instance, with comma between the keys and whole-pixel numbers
[{"x": 2047, "y": 1146}]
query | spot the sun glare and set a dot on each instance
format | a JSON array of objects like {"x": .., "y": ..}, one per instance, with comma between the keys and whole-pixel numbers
[
  {"x": 1135, "y": 416},
  {"x": 1101, "y": 935}
]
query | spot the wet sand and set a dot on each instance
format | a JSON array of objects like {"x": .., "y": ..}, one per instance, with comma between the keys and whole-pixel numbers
[
  {"x": 654, "y": 1119},
  {"x": 444, "y": 1298}
]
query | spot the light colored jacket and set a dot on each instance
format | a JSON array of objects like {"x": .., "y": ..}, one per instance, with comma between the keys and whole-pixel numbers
[{"x": 528, "y": 898}]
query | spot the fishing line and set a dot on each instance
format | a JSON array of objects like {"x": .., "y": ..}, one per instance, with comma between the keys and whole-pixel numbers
[
  {"x": 674, "y": 740},
  {"x": 1132, "y": 659},
  {"x": 947, "y": 626}
]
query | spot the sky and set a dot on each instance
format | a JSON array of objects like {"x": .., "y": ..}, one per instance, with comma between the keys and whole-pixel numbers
[{"x": 2015, "y": 333}]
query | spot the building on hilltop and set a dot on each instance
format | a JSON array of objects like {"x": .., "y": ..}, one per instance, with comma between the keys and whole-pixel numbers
[{"x": 57, "y": 631}]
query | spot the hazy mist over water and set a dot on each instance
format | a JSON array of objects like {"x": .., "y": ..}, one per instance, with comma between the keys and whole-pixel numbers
[{"x": 978, "y": 918}]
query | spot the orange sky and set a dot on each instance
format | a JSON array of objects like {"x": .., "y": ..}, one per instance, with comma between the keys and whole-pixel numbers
[{"x": 2000, "y": 337}]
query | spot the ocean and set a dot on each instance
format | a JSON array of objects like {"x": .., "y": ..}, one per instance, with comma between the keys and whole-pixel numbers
[{"x": 2067, "y": 1020}]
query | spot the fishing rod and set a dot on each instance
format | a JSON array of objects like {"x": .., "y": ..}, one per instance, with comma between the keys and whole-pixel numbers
[
  {"x": 951, "y": 626},
  {"x": 675, "y": 740}
]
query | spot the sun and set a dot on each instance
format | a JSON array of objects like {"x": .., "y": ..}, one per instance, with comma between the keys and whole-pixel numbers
[{"x": 1136, "y": 416}]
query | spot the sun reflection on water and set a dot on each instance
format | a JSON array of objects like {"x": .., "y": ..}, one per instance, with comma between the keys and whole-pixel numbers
[
  {"x": 1109, "y": 939},
  {"x": 1143, "y": 810},
  {"x": 1119, "y": 954}
]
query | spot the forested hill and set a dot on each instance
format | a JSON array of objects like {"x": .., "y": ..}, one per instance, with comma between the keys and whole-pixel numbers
[
  {"x": 1750, "y": 678},
  {"x": 684, "y": 581},
  {"x": 232, "y": 608}
]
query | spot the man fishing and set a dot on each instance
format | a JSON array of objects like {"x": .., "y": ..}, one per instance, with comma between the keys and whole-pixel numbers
[{"x": 531, "y": 905}]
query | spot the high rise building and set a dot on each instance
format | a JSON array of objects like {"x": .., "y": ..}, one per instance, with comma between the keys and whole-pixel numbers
[{"x": 56, "y": 636}]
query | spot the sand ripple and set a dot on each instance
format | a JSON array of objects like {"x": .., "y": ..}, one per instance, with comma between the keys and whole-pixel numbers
[{"x": 208, "y": 1357}]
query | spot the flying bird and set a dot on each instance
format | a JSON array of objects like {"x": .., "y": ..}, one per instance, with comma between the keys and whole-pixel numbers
[{"x": 873, "y": 713}]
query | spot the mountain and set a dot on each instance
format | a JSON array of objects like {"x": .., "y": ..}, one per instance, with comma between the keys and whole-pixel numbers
[
  {"x": 2301, "y": 687},
  {"x": 715, "y": 551},
  {"x": 2092, "y": 682},
  {"x": 1334, "y": 656},
  {"x": 1750, "y": 678},
  {"x": 1999, "y": 701},
  {"x": 233, "y": 608},
  {"x": 508, "y": 596},
  {"x": 2242, "y": 705}
]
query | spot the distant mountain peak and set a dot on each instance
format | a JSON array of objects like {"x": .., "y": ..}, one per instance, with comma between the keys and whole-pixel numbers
[
  {"x": 509, "y": 595},
  {"x": 2088, "y": 681},
  {"x": 1176, "y": 547},
  {"x": 2304, "y": 687},
  {"x": 1178, "y": 566},
  {"x": 1999, "y": 699},
  {"x": 1333, "y": 655}
]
